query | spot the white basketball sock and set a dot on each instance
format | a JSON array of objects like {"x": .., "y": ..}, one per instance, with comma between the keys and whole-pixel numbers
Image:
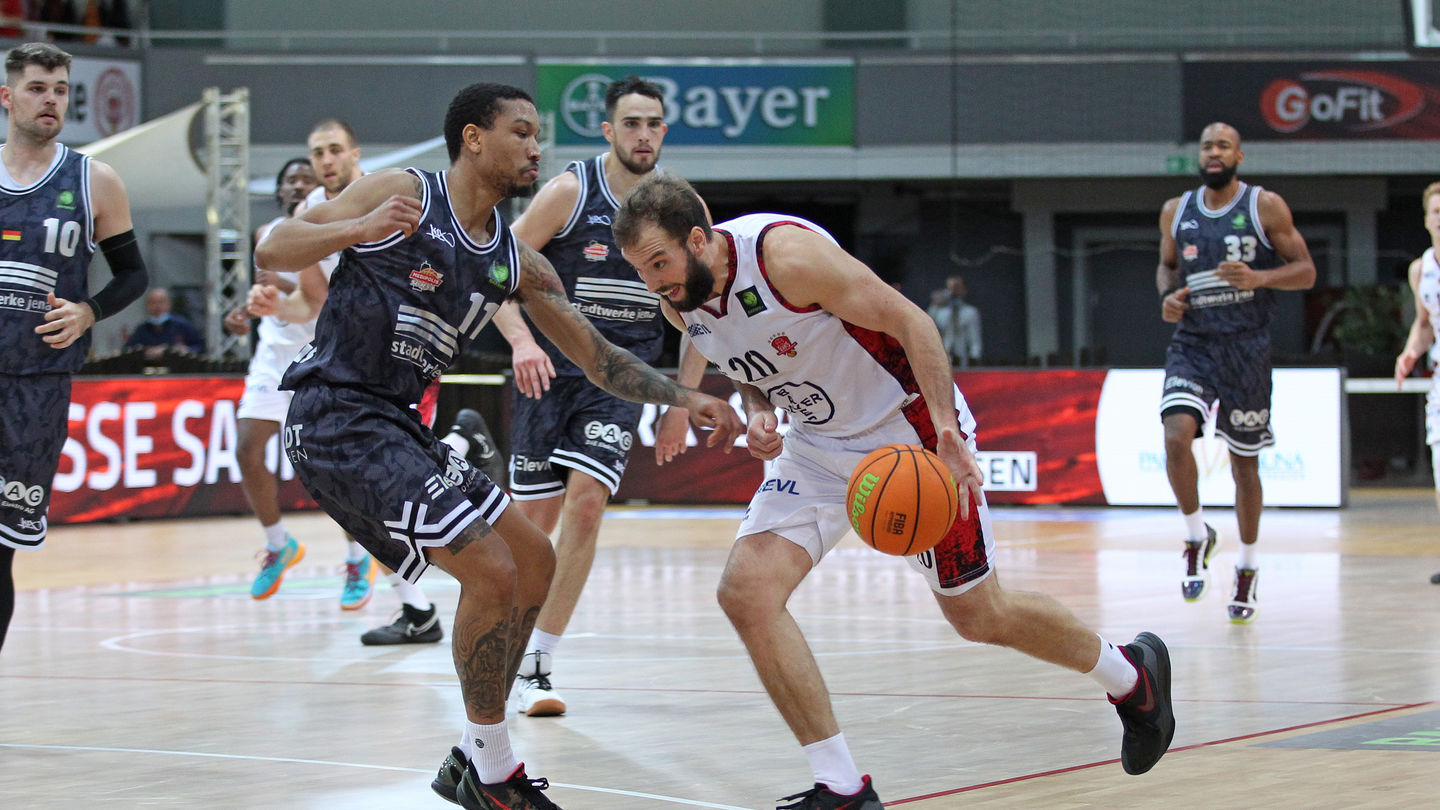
[
  {"x": 543, "y": 641},
  {"x": 275, "y": 537},
  {"x": 458, "y": 443},
  {"x": 354, "y": 552},
  {"x": 1249, "y": 557},
  {"x": 410, "y": 594},
  {"x": 833, "y": 766},
  {"x": 1114, "y": 671},
  {"x": 490, "y": 751},
  {"x": 1195, "y": 524}
]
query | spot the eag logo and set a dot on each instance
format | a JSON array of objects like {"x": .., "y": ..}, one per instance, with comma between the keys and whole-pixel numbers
[
  {"x": 1347, "y": 100},
  {"x": 610, "y": 434},
  {"x": 19, "y": 493}
]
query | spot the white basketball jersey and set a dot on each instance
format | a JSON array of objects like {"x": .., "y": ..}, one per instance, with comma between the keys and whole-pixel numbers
[
  {"x": 832, "y": 378},
  {"x": 283, "y": 338},
  {"x": 1429, "y": 293}
]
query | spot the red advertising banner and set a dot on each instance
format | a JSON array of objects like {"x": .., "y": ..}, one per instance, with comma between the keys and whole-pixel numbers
[
  {"x": 1035, "y": 430},
  {"x": 145, "y": 447},
  {"x": 1315, "y": 100}
]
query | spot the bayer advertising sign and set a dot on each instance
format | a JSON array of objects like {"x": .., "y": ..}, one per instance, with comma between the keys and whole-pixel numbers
[{"x": 712, "y": 102}]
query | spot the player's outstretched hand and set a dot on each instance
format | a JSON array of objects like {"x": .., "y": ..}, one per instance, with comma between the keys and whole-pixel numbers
[
  {"x": 672, "y": 434},
  {"x": 717, "y": 415},
  {"x": 963, "y": 467},
  {"x": 65, "y": 322}
]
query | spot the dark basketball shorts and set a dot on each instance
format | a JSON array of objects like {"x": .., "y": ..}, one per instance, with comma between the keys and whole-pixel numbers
[
  {"x": 34, "y": 421},
  {"x": 383, "y": 476},
  {"x": 1233, "y": 374},
  {"x": 576, "y": 425}
]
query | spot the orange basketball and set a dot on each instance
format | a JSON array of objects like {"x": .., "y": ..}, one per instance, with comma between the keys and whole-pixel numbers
[{"x": 902, "y": 499}]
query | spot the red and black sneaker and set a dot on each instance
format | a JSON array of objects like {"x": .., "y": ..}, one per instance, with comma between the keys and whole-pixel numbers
[
  {"x": 1146, "y": 712},
  {"x": 1197, "y": 555},
  {"x": 518, "y": 792},
  {"x": 821, "y": 797},
  {"x": 1246, "y": 604}
]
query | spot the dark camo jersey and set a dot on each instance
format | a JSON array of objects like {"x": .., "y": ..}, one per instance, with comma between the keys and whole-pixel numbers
[
  {"x": 1204, "y": 239},
  {"x": 46, "y": 243},
  {"x": 401, "y": 310}
]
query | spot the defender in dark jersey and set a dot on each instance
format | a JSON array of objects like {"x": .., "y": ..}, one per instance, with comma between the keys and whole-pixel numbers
[
  {"x": 426, "y": 262},
  {"x": 56, "y": 207},
  {"x": 570, "y": 440},
  {"x": 1224, "y": 248}
]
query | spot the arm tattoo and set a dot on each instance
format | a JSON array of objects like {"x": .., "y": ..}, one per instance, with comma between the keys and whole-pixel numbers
[
  {"x": 418, "y": 186},
  {"x": 616, "y": 370}
]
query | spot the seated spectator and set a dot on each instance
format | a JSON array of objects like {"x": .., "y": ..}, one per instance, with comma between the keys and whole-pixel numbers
[{"x": 163, "y": 329}]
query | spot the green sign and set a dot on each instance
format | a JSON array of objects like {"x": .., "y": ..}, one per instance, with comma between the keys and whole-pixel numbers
[{"x": 712, "y": 102}]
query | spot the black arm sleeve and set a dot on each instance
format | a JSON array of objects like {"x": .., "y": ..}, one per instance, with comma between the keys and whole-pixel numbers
[{"x": 130, "y": 281}]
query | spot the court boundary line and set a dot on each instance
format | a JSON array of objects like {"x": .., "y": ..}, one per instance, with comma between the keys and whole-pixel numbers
[{"x": 1191, "y": 747}]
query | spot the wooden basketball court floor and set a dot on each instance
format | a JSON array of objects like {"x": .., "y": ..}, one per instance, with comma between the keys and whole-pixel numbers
[{"x": 138, "y": 673}]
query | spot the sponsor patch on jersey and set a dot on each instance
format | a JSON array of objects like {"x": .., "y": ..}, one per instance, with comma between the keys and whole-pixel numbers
[
  {"x": 596, "y": 252},
  {"x": 66, "y": 200},
  {"x": 782, "y": 344},
  {"x": 750, "y": 301},
  {"x": 9, "y": 235},
  {"x": 1239, "y": 221},
  {"x": 425, "y": 278},
  {"x": 1191, "y": 252},
  {"x": 500, "y": 276}
]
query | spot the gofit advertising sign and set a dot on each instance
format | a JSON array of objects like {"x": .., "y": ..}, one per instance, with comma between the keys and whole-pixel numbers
[
  {"x": 1315, "y": 100},
  {"x": 711, "y": 102}
]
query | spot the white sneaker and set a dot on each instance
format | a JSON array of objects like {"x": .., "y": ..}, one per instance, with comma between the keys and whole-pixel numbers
[{"x": 534, "y": 697}]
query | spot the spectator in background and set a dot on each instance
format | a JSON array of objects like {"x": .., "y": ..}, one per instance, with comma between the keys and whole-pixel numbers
[
  {"x": 959, "y": 322},
  {"x": 163, "y": 329}
]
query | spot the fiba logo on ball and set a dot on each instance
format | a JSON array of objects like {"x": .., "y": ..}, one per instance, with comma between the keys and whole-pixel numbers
[
  {"x": 582, "y": 104},
  {"x": 114, "y": 102}
]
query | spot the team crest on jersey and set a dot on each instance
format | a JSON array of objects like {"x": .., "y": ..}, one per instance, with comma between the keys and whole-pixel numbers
[
  {"x": 596, "y": 251},
  {"x": 1191, "y": 252},
  {"x": 782, "y": 344},
  {"x": 500, "y": 276},
  {"x": 425, "y": 278},
  {"x": 1239, "y": 221},
  {"x": 750, "y": 301},
  {"x": 66, "y": 200}
]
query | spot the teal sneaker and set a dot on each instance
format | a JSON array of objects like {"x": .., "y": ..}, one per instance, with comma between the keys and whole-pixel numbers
[
  {"x": 272, "y": 570},
  {"x": 359, "y": 577}
]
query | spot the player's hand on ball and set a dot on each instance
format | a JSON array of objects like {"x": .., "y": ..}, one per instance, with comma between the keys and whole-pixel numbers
[{"x": 963, "y": 468}]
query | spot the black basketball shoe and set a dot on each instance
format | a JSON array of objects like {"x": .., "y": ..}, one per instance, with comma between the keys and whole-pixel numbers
[
  {"x": 1197, "y": 565},
  {"x": 470, "y": 425},
  {"x": 452, "y": 770},
  {"x": 519, "y": 792},
  {"x": 1146, "y": 712},
  {"x": 412, "y": 626},
  {"x": 821, "y": 797}
]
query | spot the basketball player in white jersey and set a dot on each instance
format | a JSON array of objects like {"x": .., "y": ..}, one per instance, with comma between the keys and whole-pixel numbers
[
  {"x": 1425, "y": 284},
  {"x": 262, "y": 406},
  {"x": 797, "y": 323}
]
